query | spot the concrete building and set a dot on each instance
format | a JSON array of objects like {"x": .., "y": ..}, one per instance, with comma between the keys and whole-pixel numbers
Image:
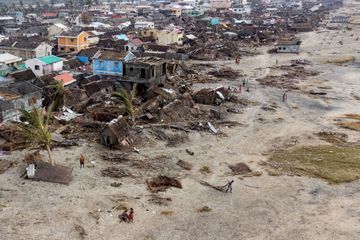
[
  {"x": 45, "y": 65},
  {"x": 110, "y": 63},
  {"x": 169, "y": 36},
  {"x": 73, "y": 41},
  {"x": 287, "y": 46},
  {"x": 26, "y": 48},
  {"x": 144, "y": 25},
  {"x": 220, "y": 4},
  {"x": 9, "y": 59},
  {"x": 146, "y": 70},
  {"x": 56, "y": 29},
  {"x": 20, "y": 96}
]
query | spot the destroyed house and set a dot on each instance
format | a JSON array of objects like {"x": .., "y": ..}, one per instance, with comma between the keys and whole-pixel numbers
[
  {"x": 110, "y": 63},
  {"x": 20, "y": 96},
  {"x": 115, "y": 132},
  {"x": 104, "y": 87},
  {"x": 22, "y": 75},
  {"x": 339, "y": 19},
  {"x": 287, "y": 46},
  {"x": 146, "y": 70}
]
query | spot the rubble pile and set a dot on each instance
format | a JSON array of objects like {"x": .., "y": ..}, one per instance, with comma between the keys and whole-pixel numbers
[{"x": 288, "y": 80}]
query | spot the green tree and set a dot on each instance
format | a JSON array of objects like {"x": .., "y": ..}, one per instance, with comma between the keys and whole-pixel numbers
[
  {"x": 58, "y": 97},
  {"x": 37, "y": 129},
  {"x": 127, "y": 99}
]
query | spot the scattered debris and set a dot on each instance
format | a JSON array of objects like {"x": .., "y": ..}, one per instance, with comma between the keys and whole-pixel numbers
[
  {"x": 204, "y": 209},
  {"x": 167, "y": 213},
  {"x": 116, "y": 184},
  {"x": 155, "y": 199},
  {"x": 205, "y": 170},
  {"x": 5, "y": 165},
  {"x": 81, "y": 231},
  {"x": 239, "y": 168},
  {"x": 184, "y": 165},
  {"x": 115, "y": 172},
  {"x": 161, "y": 183},
  {"x": 333, "y": 137},
  {"x": 191, "y": 153},
  {"x": 49, "y": 173}
]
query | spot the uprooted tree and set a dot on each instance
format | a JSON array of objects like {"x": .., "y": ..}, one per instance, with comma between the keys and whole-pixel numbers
[
  {"x": 127, "y": 99},
  {"x": 36, "y": 128}
]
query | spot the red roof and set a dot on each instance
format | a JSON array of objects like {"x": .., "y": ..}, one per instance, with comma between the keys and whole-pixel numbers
[
  {"x": 49, "y": 14},
  {"x": 137, "y": 42},
  {"x": 65, "y": 77}
]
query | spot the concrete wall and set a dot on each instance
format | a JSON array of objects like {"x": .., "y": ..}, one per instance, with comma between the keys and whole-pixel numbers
[
  {"x": 23, "y": 53},
  {"x": 43, "y": 50},
  {"x": 165, "y": 37},
  {"x": 11, "y": 112},
  {"x": 287, "y": 48},
  {"x": 107, "y": 67},
  {"x": 145, "y": 73},
  {"x": 43, "y": 69}
]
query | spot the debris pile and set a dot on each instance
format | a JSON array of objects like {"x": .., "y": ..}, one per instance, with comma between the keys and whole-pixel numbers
[{"x": 161, "y": 183}]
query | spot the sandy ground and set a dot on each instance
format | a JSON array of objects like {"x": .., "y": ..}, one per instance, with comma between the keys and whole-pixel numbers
[{"x": 264, "y": 207}]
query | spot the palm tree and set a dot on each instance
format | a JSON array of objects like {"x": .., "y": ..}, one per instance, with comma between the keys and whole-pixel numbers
[
  {"x": 58, "y": 97},
  {"x": 127, "y": 98},
  {"x": 37, "y": 128}
]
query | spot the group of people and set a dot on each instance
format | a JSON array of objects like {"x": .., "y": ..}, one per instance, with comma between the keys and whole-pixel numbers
[
  {"x": 127, "y": 217},
  {"x": 245, "y": 84}
]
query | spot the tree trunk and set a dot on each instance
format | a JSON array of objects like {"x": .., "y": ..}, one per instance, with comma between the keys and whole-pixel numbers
[{"x": 51, "y": 161}]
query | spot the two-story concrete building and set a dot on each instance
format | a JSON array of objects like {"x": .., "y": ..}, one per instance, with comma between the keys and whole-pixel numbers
[
  {"x": 73, "y": 41},
  {"x": 147, "y": 70}
]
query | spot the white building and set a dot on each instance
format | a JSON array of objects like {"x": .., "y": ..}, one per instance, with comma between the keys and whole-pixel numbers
[
  {"x": 56, "y": 29},
  {"x": 9, "y": 59},
  {"x": 144, "y": 25},
  {"x": 45, "y": 65},
  {"x": 170, "y": 36}
]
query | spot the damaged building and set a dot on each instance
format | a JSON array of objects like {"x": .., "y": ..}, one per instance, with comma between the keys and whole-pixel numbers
[
  {"x": 20, "y": 96},
  {"x": 287, "y": 46},
  {"x": 146, "y": 70}
]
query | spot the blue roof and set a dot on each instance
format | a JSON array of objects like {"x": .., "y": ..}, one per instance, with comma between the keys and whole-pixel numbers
[{"x": 122, "y": 37}]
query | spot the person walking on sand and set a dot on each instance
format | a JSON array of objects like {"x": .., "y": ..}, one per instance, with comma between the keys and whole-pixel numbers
[
  {"x": 243, "y": 82},
  {"x": 228, "y": 187},
  {"x": 284, "y": 97},
  {"x": 82, "y": 161},
  {"x": 131, "y": 215},
  {"x": 124, "y": 216}
]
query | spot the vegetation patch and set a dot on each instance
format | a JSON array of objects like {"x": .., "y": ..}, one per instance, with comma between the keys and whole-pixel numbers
[
  {"x": 205, "y": 170},
  {"x": 340, "y": 60},
  {"x": 335, "y": 164}
]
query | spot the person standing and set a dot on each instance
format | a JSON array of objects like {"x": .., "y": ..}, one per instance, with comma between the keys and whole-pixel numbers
[
  {"x": 124, "y": 216},
  {"x": 82, "y": 161},
  {"x": 131, "y": 215}
]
